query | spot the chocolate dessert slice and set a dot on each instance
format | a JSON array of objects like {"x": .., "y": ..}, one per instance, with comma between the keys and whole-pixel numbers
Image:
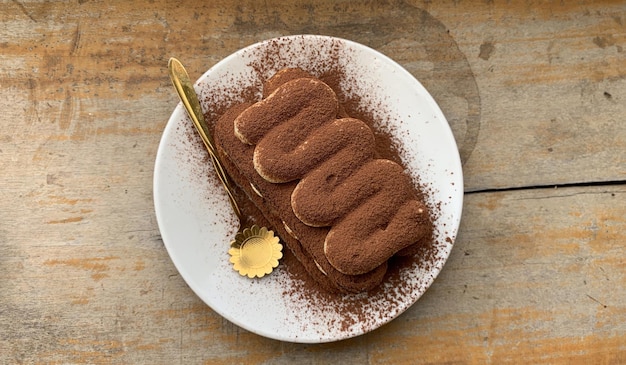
[
  {"x": 274, "y": 201},
  {"x": 341, "y": 210}
]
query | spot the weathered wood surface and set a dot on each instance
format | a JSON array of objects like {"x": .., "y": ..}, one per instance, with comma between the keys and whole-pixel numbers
[{"x": 535, "y": 93}]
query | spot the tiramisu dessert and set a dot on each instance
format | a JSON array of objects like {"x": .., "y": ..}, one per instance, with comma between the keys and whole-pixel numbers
[{"x": 315, "y": 174}]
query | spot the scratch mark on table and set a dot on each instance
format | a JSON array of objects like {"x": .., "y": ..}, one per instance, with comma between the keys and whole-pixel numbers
[
  {"x": 24, "y": 10},
  {"x": 75, "y": 41},
  {"x": 67, "y": 111},
  {"x": 597, "y": 301}
]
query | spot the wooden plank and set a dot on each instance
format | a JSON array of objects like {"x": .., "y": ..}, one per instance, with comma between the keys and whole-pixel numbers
[
  {"x": 546, "y": 88},
  {"x": 535, "y": 275},
  {"x": 551, "y": 79}
]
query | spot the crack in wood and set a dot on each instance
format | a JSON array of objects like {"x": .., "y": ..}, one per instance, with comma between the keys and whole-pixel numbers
[{"x": 555, "y": 187}]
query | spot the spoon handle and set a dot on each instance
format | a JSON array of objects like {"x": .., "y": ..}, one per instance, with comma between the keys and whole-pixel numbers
[{"x": 190, "y": 101}]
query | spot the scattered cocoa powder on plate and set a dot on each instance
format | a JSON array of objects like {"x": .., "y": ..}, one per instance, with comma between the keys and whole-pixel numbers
[{"x": 356, "y": 312}]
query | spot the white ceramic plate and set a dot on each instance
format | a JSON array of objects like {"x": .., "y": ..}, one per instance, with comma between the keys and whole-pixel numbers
[{"x": 197, "y": 224}]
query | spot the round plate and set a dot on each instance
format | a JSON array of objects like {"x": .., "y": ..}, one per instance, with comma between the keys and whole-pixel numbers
[{"x": 197, "y": 224}]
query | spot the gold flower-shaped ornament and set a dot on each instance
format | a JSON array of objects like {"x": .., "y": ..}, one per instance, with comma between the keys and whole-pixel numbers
[{"x": 255, "y": 252}]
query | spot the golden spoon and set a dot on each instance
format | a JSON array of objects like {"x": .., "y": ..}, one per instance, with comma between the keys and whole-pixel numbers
[{"x": 255, "y": 251}]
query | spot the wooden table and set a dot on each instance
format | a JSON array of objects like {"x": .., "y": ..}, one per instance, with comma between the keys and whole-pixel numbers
[{"x": 536, "y": 96}]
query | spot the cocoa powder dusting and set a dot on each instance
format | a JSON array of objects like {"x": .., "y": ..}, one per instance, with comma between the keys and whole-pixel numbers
[{"x": 356, "y": 312}]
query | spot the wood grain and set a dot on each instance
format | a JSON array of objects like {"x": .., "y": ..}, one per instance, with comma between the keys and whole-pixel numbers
[{"x": 534, "y": 93}]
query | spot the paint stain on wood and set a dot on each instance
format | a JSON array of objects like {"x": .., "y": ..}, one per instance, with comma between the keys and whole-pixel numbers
[
  {"x": 486, "y": 50},
  {"x": 81, "y": 301},
  {"x": 66, "y": 220},
  {"x": 604, "y": 41},
  {"x": 492, "y": 202},
  {"x": 55, "y": 199},
  {"x": 139, "y": 265},
  {"x": 98, "y": 266}
]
